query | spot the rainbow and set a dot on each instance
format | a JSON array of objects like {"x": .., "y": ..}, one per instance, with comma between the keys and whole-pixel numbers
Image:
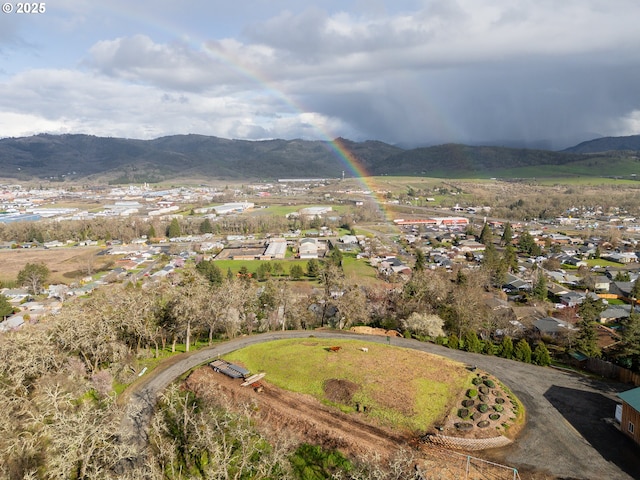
[{"x": 350, "y": 162}]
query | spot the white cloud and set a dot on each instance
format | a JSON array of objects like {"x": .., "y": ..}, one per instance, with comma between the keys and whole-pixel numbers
[{"x": 437, "y": 70}]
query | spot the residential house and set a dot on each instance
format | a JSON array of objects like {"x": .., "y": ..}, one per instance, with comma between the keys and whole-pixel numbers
[
  {"x": 348, "y": 239},
  {"x": 615, "y": 313},
  {"x": 572, "y": 299},
  {"x": 471, "y": 246},
  {"x": 552, "y": 326},
  {"x": 621, "y": 289},
  {"x": 624, "y": 257},
  {"x": 600, "y": 283},
  {"x": 630, "y": 419},
  {"x": 12, "y": 323},
  {"x": 515, "y": 284},
  {"x": 15, "y": 295}
]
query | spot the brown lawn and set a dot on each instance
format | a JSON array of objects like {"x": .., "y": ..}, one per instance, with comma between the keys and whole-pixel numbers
[{"x": 66, "y": 264}]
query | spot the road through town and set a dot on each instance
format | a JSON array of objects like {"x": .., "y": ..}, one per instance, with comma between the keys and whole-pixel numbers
[{"x": 567, "y": 435}]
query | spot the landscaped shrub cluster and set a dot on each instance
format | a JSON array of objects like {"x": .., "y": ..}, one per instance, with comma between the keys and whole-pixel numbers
[
  {"x": 479, "y": 401},
  {"x": 520, "y": 351}
]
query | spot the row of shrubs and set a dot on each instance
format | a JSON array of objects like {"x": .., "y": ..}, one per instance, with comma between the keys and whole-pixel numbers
[
  {"x": 482, "y": 408},
  {"x": 520, "y": 351}
]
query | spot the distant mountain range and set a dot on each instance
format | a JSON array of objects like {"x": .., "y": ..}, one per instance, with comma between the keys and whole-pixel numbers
[
  {"x": 120, "y": 160},
  {"x": 608, "y": 144}
]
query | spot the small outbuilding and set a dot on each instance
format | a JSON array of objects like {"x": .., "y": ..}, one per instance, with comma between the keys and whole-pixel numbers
[{"x": 630, "y": 419}]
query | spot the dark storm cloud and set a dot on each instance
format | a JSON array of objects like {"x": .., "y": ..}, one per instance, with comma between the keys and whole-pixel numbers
[{"x": 416, "y": 72}]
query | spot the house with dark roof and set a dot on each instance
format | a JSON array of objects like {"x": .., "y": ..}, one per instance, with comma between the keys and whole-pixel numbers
[
  {"x": 552, "y": 326},
  {"x": 630, "y": 420},
  {"x": 615, "y": 313},
  {"x": 514, "y": 284}
]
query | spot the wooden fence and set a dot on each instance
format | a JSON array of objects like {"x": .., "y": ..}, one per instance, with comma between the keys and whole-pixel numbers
[{"x": 609, "y": 370}]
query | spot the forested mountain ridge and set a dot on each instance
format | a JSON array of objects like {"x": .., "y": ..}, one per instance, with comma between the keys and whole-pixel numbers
[
  {"x": 79, "y": 156},
  {"x": 608, "y": 144}
]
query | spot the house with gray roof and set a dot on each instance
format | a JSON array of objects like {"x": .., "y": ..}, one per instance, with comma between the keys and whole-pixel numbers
[
  {"x": 552, "y": 326},
  {"x": 615, "y": 313}
]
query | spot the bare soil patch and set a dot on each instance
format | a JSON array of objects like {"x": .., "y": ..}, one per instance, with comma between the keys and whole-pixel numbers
[
  {"x": 305, "y": 418},
  {"x": 340, "y": 391}
]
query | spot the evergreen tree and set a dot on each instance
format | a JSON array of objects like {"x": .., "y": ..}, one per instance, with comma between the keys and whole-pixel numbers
[
  {"x": 453, "y": 342},
  {"x": 461, "y": 278},
  {"x": 420, "y": 260},
  {"x": 526, "y": 243},
  {"x": 489, "y": 348},
  {"x": 336, "y": 257},
  {"x": 587, "y": 338},
  {"x": 628, "y": 350},
  {"x": 507, "y": 234},
  {"x": 635, "y": 293},
  {"x": 522, "y": 351},
  {"x": 244, "y": 274},
  {"x": 205, "y": 226},
  {"x": 151, "y": 233},
  {"x": 486, "y": 236},
  {"x": 506, "y": 347},
  {"x": 313, "y": 268},
  {"x": 541, "y": 355},
  {"x": 490, "y": 258},
  {"x": 209, "y": 270},
  {"x": 5, "y": 307},
  {"x": 540, "y": 287},
  {"x": 590, "y": 309},
  {"x": 472, "y": 343},
  {"x": 264, "y": 271},
  {"x": 173, "y": 231},
  {"x": 296, "y": 272},
  {"x": 229, "y": 273},
  {"x": 510, "y": 257}
]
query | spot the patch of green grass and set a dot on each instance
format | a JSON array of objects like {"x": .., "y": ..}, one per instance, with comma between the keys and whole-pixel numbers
[
  {"x": 425, "y": 383},
  {"x": 252, "y": 265},
  {"x": 358, "y": 268},
  {"x": 601, "y": 262},
  {"x": 616, "y": 301}
]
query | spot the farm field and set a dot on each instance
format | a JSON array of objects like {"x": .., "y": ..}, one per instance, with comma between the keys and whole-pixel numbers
[{"x": 64, "y": 263}]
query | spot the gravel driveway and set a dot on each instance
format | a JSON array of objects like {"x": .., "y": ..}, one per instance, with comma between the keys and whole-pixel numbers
[{"x": 567, "y": 433}]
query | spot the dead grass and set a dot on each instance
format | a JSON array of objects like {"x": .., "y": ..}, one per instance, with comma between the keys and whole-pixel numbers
[{"x": 66, "y": 263}]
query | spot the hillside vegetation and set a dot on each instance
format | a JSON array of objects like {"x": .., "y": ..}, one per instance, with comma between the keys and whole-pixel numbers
[{"x": 119, "y": 160}]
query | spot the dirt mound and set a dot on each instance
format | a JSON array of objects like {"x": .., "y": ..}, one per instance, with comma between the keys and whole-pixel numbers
[
  {"x": 375, "y": 331},
  {"x": 340, "y": 391}
]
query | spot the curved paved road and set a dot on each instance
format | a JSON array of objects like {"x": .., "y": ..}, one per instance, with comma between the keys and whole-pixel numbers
[{"x": 566, "y": 433}]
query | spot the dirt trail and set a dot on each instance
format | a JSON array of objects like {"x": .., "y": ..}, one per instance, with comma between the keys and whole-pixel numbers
[{"x": 305, "y": 417}]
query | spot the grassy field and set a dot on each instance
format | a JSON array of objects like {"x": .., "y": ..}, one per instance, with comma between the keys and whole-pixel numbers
[
  {"x": 592, "y": 262},
  {"x": 401, "y": 387},
  {"x": 65, "y": 263},
  {"x": 252, "y": 265},
  {"x": 359, "y": 270}
]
